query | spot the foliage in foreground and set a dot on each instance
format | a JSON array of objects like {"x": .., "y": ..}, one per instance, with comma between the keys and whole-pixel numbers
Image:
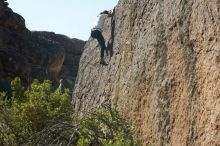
[
  {"x": 40, "y": 116},
  {"x": 103, "y": 127},
  {"x": 29, "y": 111}
]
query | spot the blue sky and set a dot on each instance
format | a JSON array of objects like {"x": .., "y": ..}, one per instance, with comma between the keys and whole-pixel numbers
[{"x": 73, "y": 18}]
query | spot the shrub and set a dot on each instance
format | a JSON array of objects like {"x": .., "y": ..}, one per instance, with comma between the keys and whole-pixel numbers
[
  {"x": 41, "y": 116},
  {"x": 31, "y": 110},
  {"x": 102, "y": 127}
]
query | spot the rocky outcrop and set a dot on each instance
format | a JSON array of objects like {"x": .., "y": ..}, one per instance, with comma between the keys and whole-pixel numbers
[
  {"x": 31, "y": 55},
  {"x": 24, "y": 55},
  {"x": 164, "y": 74},
  {"x": 73, "y": 51}
]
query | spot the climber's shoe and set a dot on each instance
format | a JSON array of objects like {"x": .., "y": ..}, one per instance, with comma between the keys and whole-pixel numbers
[{"x": 102, "y": 61}]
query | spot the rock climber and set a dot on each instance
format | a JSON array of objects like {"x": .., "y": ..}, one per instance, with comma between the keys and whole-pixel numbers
[{"x": 96, "y": 32}]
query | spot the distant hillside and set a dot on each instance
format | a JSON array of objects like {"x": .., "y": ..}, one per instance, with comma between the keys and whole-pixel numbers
[
  {"x": 30, "y": 55},
  {"x": 73, "y": 51}
]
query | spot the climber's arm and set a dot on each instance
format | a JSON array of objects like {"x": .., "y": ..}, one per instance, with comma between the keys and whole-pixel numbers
[{"x": 110, "y": 13}]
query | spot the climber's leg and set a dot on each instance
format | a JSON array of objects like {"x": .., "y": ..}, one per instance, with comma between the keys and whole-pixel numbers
[{"x": 98, "y": 35}]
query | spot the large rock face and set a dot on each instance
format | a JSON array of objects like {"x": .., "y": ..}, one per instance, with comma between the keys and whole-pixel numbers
[
  {"x": 165, "y": 71},
  {"x": 31, "y": 55}
]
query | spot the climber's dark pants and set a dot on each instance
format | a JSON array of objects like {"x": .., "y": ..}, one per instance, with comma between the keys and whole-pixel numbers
[{"x": 98, "y": 35}]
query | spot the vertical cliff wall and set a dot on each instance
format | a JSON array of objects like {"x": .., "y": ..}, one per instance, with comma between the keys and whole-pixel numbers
[{"x": 165, "y": 71}]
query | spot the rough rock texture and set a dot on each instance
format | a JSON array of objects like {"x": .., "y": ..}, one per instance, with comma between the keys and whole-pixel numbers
[
  {"x": 165, "y": 71},
  {"x": 32, "y": 55}
]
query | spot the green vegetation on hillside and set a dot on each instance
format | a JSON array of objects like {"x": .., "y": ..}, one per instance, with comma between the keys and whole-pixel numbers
[{"x": 40, "y": 116}]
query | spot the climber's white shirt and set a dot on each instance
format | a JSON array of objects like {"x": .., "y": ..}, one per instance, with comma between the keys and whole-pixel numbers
[{"x": 99, "y": 23}]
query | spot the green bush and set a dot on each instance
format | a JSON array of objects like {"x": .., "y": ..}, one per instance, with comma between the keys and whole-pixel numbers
[
  {"x": 41, "y": 116},
  {"x": 102, "y": 127},
  {"x": 29, "y": 111}
]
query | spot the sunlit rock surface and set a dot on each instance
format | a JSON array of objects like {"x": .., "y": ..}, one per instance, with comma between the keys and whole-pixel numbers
[{"x": 165, "y": 71}]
